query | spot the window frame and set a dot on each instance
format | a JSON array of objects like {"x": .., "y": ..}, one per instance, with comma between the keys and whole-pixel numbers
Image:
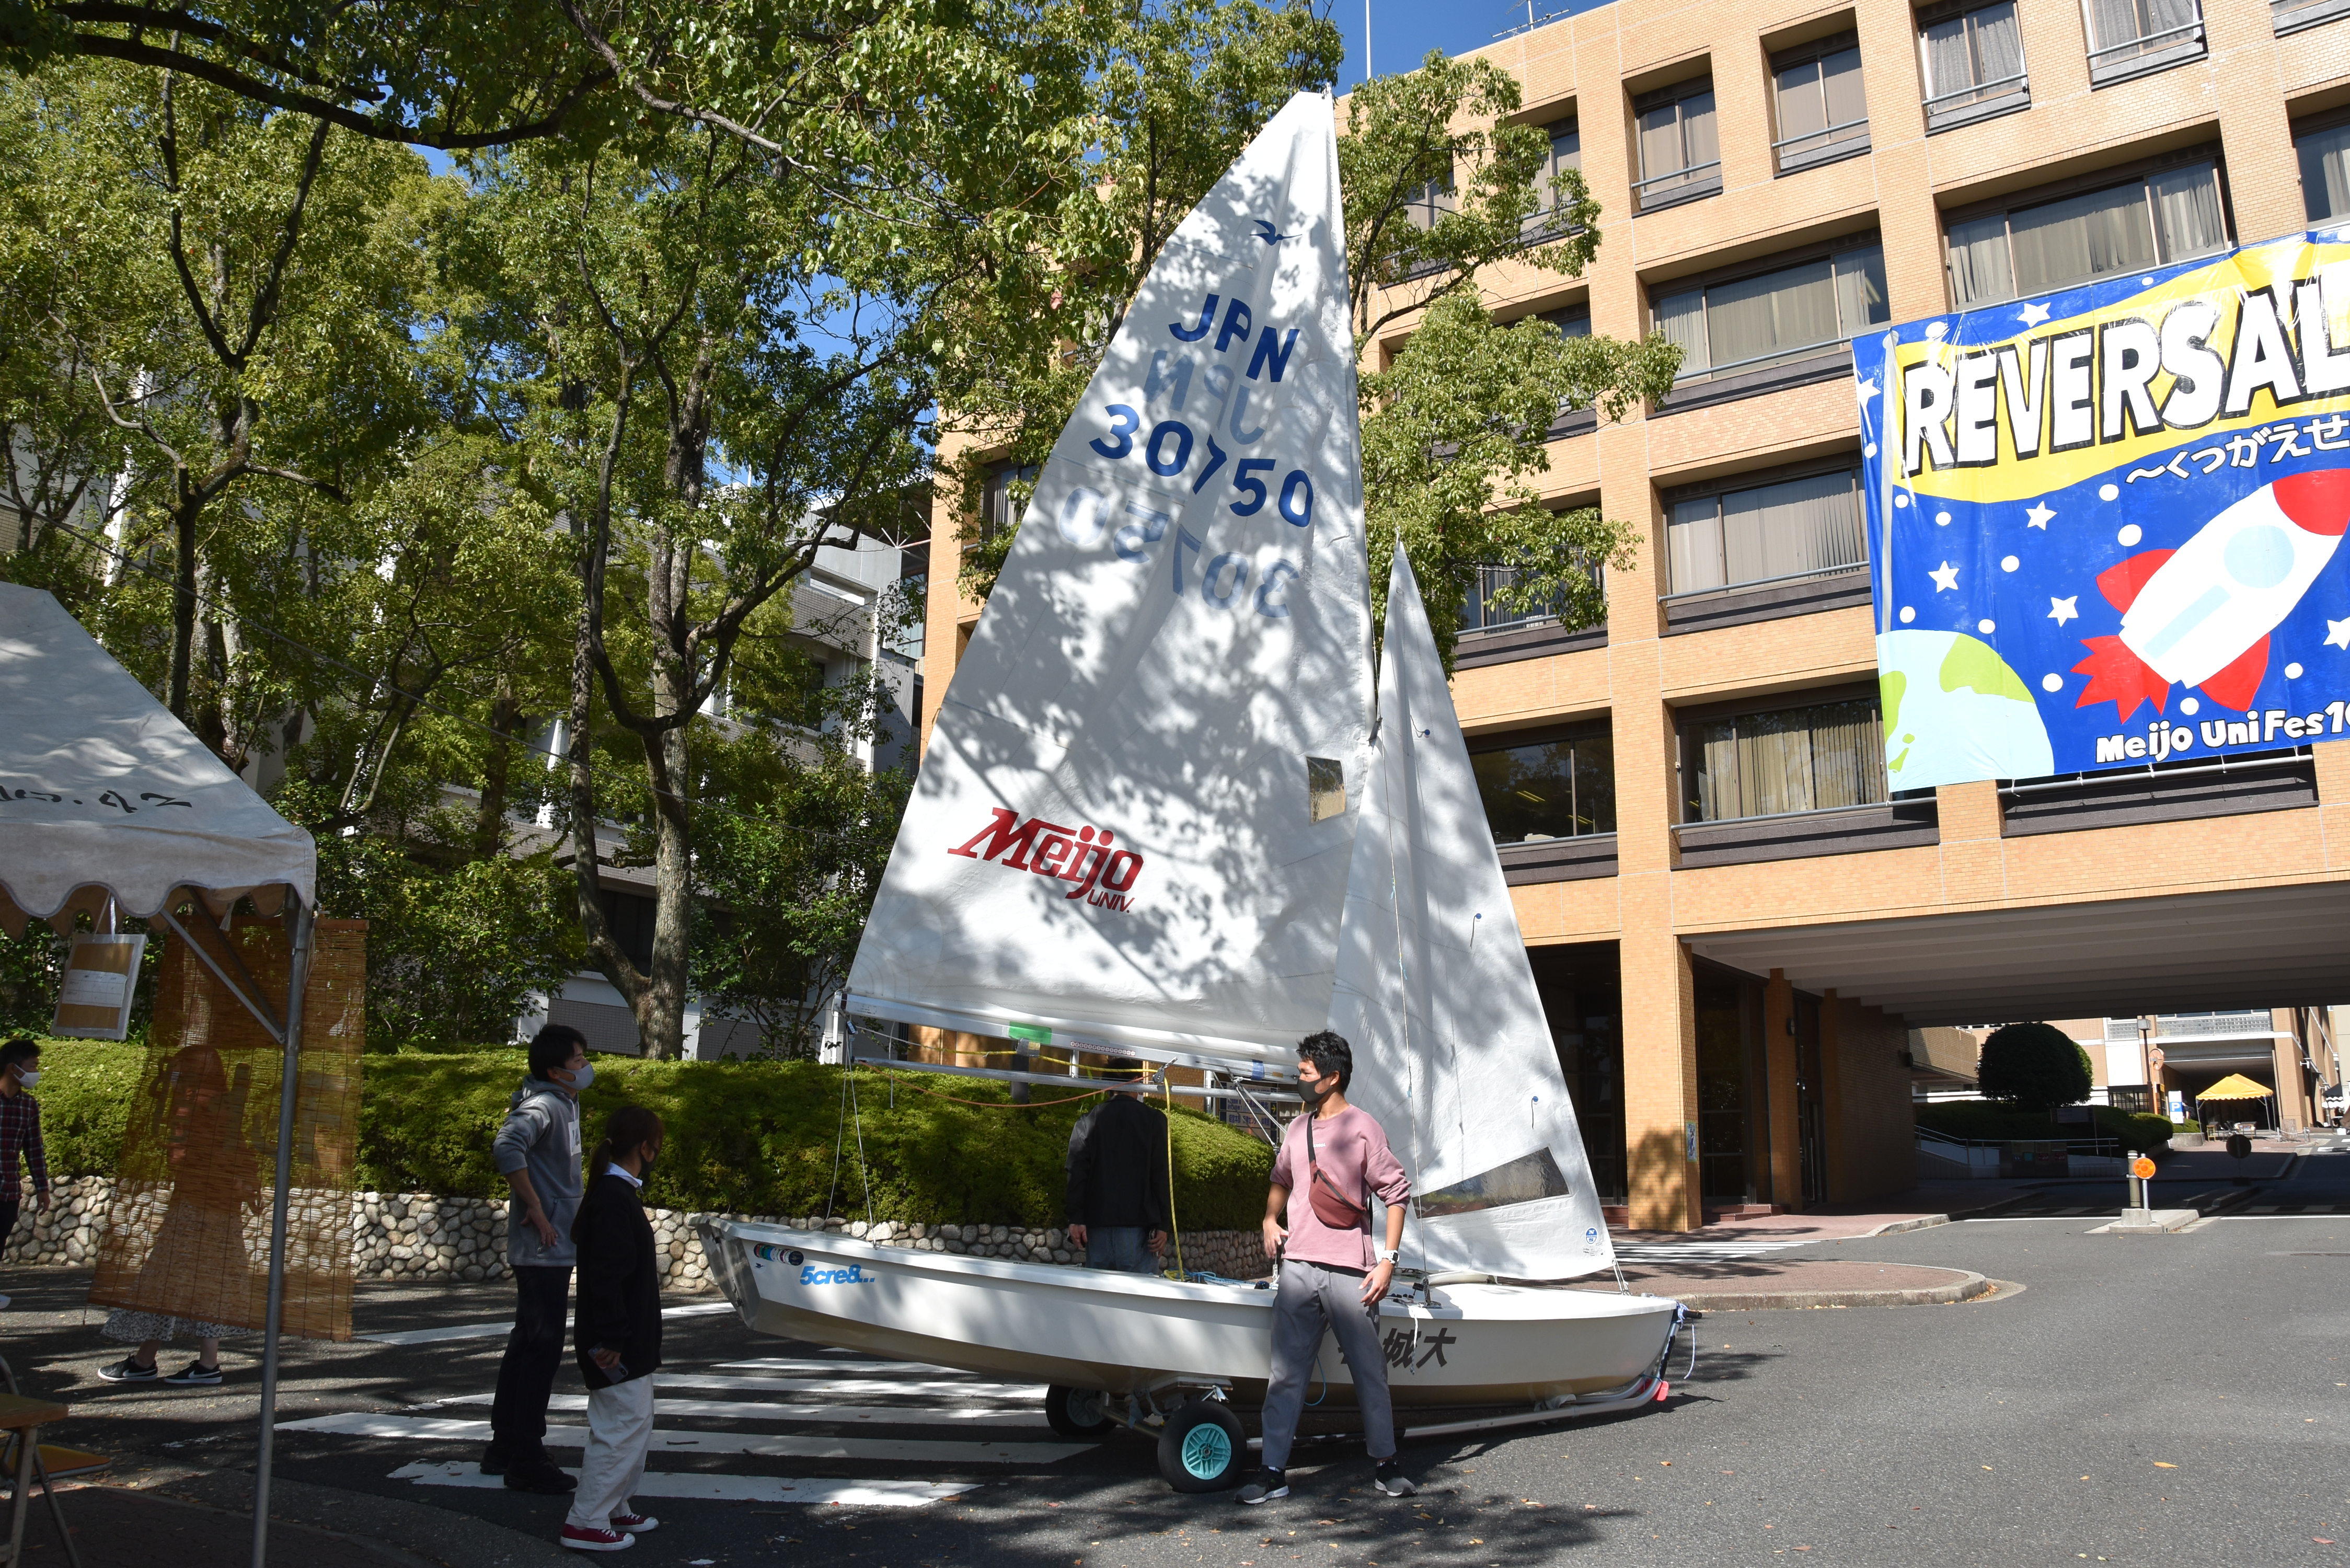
[
  {"x": 1600, "y": 728},
  {"x": 1687, "y": 720},
  {"x": 1812, "y": 52},
  {"x": 2018, "y": 95},
  {"x": 2143, "y": 172},
  {"x": 2315, "y": 125},
  {"x": 1783, "y": 261},
  {"x": 1692, "y": 187},
  {"x": 1716, "y": 489},
  {"x": 2122, "y": 67}
]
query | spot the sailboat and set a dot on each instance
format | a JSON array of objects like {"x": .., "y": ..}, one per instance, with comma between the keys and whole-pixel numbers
[{"x": 1165, "y": 813}]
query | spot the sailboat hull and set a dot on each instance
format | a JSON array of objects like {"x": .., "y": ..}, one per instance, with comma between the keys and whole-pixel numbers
[{"x": 1471, "y": 1344}]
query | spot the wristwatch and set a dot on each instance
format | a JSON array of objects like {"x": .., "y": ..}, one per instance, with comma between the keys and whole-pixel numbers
[{"x": 1389, "y": 1255}]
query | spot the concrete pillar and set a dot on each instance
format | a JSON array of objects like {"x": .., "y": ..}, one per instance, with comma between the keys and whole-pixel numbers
[{"x": 1784, "y": 1185}]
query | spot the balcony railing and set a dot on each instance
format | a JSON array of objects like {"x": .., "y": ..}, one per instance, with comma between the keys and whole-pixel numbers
[
  {"x": 1821, "y": 146},
  {"x": 2293, "y": 16},
  {"x": 1684, "y": 184},
  {"x": 1978, "y": 101}
]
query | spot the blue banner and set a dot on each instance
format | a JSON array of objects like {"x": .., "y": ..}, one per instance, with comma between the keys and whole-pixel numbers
[{"x": 2105, "y": 523}]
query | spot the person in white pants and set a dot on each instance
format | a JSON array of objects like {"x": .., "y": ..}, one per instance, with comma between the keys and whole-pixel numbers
[{"x": 617, "y": 1331}]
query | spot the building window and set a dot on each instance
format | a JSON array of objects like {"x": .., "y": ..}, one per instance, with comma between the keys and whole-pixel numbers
[
  {"x": 998, "y": 510},
  {"x": 1813, "y": 758},
  {"x": 2170, "y": 215},
  {"x": 1973, "y": 60},
  {"x": 1562, "y": 786},
  {"x": 1565, "y": 154},
  {"x": 2131, "y": 37},
  {"x": 2325, "y": 173},
  {"x": 1431, "y": 201},
  {"x": 1800, "y": 527},
  {"x": 1823, "y": 113},
  {"x": 1765, "y": 318},
  {"x": 1680, "y": 157},
  {"x": 2293, "y": 16}
]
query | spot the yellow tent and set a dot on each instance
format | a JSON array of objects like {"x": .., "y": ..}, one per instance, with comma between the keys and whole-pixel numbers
[{"x": 2236, "y": 1087}]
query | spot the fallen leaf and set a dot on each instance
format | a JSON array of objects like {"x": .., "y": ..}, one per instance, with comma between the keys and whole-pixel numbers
[
  {"x": 2320, "y": 1541},
  {"x": 1986, "y": 1467},
  {"x": 2158, "y": 1464}
]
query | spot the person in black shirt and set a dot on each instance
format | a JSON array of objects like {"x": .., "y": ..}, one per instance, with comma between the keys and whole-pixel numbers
[
  {"x": 617, "y": 1332},
  {"x": 1118, "y": 1203}
]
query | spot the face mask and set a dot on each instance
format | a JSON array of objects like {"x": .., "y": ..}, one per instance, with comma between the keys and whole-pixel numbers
[
  {"x": 29, "y": 1076},
  {"x": 645, "y": 1171},
  {"x": 1313, "y": 1094},
  {"x": 581, "y": 1076}
]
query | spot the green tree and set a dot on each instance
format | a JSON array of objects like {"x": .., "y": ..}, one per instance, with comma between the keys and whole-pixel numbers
[{"x": 2033, "y": 1067}]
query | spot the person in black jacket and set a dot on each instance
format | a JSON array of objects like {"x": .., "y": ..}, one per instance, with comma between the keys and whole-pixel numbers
[
  {"x": 617, "y": 1332},
  {"x": 1118, "y": 1207}
]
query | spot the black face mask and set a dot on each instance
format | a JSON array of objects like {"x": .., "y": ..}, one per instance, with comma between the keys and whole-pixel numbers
[{"x": 1318, "y": 1090}]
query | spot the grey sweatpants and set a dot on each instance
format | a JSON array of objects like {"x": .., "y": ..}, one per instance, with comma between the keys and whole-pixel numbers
[{"x": 1309, "y": 1297}]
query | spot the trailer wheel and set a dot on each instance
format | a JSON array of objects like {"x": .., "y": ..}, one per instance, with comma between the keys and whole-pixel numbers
[
  {"x": 1202, "y": 1447},
  {"x": 1076, "y": 1412}
]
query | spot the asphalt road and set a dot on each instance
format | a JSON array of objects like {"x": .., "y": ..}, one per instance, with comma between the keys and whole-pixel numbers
[{"x": 2149, "y": 1400}]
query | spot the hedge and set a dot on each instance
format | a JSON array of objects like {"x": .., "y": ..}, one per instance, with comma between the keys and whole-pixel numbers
[
  {"x": 1986, "y": 1121},
  {"x": 753, "y": 1136}
]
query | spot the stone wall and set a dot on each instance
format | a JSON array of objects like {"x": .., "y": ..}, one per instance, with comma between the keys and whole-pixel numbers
[{"x": 416, "y": 1236}]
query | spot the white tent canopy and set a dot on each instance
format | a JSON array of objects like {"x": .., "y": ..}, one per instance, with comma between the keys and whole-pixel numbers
[{"x": 103, "y": 792}]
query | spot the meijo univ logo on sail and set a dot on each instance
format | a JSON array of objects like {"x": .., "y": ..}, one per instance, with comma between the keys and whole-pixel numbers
[{"x": 1103, "y": 876}]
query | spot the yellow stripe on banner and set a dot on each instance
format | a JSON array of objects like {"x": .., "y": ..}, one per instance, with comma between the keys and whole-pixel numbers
[{"x": 2018, "y": 383}]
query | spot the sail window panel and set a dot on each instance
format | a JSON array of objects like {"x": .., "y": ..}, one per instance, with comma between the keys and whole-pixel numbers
[
  {"x": 2325, "y": 173},
  {"x": 1823, "y": 110},
  {"x": 1546, "y": 789},
  {"x": 1818, "y": 757}
]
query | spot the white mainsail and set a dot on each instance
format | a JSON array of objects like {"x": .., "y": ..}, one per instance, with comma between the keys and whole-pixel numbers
[
  {"x": 1131, "y": 827},
  {"x": 1452, "y": 1052}
]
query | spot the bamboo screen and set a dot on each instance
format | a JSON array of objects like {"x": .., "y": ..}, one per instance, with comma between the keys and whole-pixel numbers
[{"x": 188, "y": 1233}]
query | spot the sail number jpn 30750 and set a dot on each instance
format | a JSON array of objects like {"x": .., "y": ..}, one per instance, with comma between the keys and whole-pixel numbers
[{"x": 1173, "y": 446}]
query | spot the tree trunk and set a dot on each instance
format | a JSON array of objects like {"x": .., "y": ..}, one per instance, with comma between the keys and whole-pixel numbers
[
  {"x": 183, "y": 596},
  {"x": 497, "y": 772}
]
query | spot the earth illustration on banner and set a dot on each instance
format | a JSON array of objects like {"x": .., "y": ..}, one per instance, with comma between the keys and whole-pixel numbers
[{"x": 1954, "y": 709}]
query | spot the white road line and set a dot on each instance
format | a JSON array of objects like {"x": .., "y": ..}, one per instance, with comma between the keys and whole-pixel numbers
[
  {"x": 844, "y": 1364},
  {"x": 728, "y": 1489},
  {"x": 492, "y": 1330},
  {"x": 443, "y": 1429},
  {"x": 760, "y": 1409}
]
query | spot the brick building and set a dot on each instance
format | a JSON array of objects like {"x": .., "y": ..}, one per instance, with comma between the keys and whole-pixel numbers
[{"x": 1734, "y": 926}]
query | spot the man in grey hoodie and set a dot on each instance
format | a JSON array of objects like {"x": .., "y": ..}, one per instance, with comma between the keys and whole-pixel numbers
[{"x": 537, "y": 1152}]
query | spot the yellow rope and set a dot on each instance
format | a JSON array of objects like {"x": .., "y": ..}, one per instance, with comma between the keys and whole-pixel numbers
[{"x": 1173, "y": 1233}]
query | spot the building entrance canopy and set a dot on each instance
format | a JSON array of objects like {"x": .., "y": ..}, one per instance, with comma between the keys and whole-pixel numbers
[{"x": 2257, "y": 947}]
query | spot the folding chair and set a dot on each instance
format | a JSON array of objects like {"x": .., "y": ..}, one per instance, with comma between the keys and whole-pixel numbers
[{"x": 27, "y": 1460}]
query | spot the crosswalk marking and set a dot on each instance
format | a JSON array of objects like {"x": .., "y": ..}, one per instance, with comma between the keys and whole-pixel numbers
[
  {"x": 694, "y": 1484},
  {"x": 448, "y": 1332},
  {"x": 667, "y": 1441},
  {"x": 756, "y": 1409}
]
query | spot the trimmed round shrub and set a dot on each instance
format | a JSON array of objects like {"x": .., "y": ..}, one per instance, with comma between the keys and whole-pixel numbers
[{"x": 2033, "y": 1067}]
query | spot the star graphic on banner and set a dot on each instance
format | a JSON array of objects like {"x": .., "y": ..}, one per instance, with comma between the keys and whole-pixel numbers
[
  {"x": 2337, "y": 633},
  {"x": 2033, "y": 315},
  {"x": 1868, "y": 387},
  {"x": 1946, "y": 577},
  {"x": 2062, "y": 610},
  {"x": 2038, "y": 516}
]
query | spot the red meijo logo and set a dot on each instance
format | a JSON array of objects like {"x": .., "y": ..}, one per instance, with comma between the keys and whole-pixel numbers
[{"x": 1103, "y": 876}]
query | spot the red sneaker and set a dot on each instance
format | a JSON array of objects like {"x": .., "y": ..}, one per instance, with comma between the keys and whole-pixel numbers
[
  {"x": 634, "y": 1523},
  {"x": 584, "y": 1538}
]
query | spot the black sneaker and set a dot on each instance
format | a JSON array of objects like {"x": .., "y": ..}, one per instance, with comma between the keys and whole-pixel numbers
[
  {"x": 1392, "y": 1479},
  {"x": 1263, "y": 1487},
  {"x": 195, "y": 1375},
  {"x": 129, "y": 1370},
  {"x": 544, "y": 1478},
  {"x": 493, "y": 1460}
]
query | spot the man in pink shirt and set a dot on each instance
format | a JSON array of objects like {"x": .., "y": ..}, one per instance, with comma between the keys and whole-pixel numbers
[{"x": 1331, "y": 1160}]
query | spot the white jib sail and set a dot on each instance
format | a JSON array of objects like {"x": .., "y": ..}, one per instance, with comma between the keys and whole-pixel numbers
[
  {"x": 1131, "y": 827},
  {"x": 1452, "y": 1052}
]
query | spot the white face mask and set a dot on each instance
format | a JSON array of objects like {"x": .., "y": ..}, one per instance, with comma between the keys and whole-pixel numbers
[
  {"x": 580, "y": 1077},
  {"x": 29, "y": 1076}
]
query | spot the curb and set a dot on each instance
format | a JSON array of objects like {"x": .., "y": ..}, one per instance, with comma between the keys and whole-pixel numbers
[
  {"x": 1915, "y": 1223},
  {"x": 1963, "y": 1289}
]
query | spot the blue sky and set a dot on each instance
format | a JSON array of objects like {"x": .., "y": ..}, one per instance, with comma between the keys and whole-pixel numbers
[{"x": 1404, "y": 30}]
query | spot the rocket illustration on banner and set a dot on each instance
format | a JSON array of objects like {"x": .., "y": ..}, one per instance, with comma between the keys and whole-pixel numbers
[{"x": 2201, "y": 615}]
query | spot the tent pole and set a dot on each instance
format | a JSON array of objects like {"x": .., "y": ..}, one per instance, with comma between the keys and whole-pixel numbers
[{"x": 297, "y": 975}]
